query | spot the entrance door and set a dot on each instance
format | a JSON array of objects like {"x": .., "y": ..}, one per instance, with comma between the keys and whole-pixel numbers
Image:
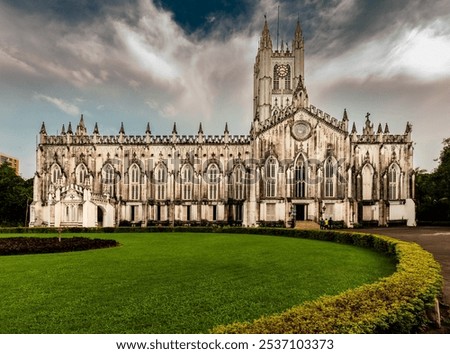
[
  {"x": 300, "y": 212},
  {"x": 99, "y": 216}
]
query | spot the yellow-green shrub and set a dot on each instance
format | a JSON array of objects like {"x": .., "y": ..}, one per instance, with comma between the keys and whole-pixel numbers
[{"x": 395, "y": 304}]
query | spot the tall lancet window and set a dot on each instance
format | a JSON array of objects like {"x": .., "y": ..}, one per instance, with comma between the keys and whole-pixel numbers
[
  {"x": 55, "y": 175},
  {"x": 367, "y": 182},
  {"x": 213, "y": 181},
  {"x": 287, "y": 78},
  {"x": 239, "y": 182},
  {"x": 81, "y": 174},
  {"x": 282, "y": 77},
  {"x": 300, "y": 178},
  {"x": 276, "y": 78},
  {"x": 160, "y": 182},
  {"x": 135, "y": 182},
  {"x": 271, "y": 177},
  {"x": 187, "y": 182},
  {"x": 393, "y": 180},
  {"x": 108, "y": 180},
  {"x": 330, "y": 178}
]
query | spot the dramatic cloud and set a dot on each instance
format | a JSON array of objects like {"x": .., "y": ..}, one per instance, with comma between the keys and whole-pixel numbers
[{"x": 162, "y": 62}]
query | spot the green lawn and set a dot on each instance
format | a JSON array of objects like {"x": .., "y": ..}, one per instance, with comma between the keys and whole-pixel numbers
[{"x": 175, "y": 282}]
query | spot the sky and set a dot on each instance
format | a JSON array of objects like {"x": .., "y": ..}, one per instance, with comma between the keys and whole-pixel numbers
[{"x": 191, "y": 62}]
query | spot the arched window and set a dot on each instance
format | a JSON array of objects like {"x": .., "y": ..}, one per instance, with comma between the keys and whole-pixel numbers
[
  {"x": 213, "y": 182},
  {"x": 300, "y": 178},
  {"x": 55, "y": 174},
  {"x": 108, "y": 180},
  {"x": 135, "y": 182},
  {"x": 271, "y": 177},
  {"x": 81, "y": 174},
  {"x": 276, "y": 78},
  {"x": 239, "y": 182},
  {"x": 287, "y": 78},
  {"x": 330, "y": 178},
  {"x": 367, "y": 182},
  {"x": 187, "y": 182},
  {"x": 393, "y": 181},
  {"x": 160, "y": 182}
]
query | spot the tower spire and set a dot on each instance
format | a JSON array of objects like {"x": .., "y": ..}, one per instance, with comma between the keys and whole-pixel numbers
[
  {"x": 298, "y": 39},
  {"x": 278, "y": 25},
  {"x": 345, "y": 116},
  {"x": 265, "y": 41},
  {"x": 81, "y": 128},
  {"x": 43, "y": 130}
]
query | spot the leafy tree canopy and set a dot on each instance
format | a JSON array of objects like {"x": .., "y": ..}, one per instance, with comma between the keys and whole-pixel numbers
[
  {"x": 15, "y": 196},
  {"x": 433, "y": 189}
]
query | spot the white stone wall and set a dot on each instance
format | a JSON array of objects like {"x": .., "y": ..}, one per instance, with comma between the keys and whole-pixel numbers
[{"x": 135, "y": 197}]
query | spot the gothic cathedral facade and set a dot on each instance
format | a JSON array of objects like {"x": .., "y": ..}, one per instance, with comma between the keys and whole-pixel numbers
[{"x": 297, "y": 163}]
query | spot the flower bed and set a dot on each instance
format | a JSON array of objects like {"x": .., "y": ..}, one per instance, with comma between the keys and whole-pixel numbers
[{"x": 33, "y": 245}]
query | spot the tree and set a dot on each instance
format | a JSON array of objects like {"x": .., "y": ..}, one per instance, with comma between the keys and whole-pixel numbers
[
  {"x": 15, "y": 195},
  {"x": 433, "y": 189}
]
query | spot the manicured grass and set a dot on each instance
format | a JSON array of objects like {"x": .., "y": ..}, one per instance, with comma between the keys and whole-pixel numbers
[{"x": 175, "y": 282}]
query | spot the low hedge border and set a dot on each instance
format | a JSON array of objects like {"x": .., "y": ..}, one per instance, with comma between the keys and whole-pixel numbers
[{"x": 395, "y": 304}]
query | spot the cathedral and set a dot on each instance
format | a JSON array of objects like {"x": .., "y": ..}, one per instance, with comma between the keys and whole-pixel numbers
[{"x": 297, "y": 164}]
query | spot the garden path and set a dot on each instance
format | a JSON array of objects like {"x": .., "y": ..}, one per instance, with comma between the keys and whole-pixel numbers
[{"x": 435, "y": 240}]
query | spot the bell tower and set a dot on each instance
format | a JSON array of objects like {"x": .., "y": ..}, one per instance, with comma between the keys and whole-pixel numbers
[
  {"x": 278, "y": 75},
  {"x": 262, "y": 76}
]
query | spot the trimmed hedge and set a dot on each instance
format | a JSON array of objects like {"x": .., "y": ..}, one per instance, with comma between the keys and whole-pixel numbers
[{"x": 396, "y": 304}]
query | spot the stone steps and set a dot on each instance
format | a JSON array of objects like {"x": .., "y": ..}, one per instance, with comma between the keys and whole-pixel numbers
[{"x": 307, "y": 225}]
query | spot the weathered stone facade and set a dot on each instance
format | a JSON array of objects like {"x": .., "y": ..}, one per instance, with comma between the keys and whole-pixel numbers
[{"x": 297, "y": 163}]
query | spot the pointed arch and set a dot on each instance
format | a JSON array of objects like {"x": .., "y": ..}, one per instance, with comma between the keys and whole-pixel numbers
[
  {"x": 300, "y": 176},
  {"x": 239, "y": 182},
  {"x": 55, "y": 173},
  {"x": 276, "y": 78},
  {"x": 81, "y": 174},
  {"x": 394, "y": 181},
  {"x": 160, "y": 178},
  {"x": 212, "y": 179},
  {"x": 271, "y": 170},
  {"x": 135, "y": 181},
  {"x": 330, "y": 172},
  {"x": 367, "y": 173},
  {"x": 287, "y": 78},
  {"x": 187, "y": 181},
  {"x": 108, "y": 180}
]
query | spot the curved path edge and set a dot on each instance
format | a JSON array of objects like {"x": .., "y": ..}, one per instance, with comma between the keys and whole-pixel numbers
[{"x": 435, "y": 240}]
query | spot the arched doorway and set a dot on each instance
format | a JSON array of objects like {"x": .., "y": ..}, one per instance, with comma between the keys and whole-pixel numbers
[{"x": 99, "y": 216}]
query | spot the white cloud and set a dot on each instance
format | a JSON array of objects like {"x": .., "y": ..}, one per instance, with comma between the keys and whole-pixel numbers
[
  {"x": 61, "y": 104},
  {"x": 420, "y": 53},
  {"x": 149, "y": 59},
  {"x": 423, "y": 52}
]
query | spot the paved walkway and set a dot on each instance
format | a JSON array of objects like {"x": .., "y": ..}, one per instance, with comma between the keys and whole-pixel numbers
[{"x": 435, "y": 240}]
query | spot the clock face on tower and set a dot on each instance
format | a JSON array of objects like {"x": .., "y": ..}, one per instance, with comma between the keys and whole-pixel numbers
[
  {"x": 301, "y": 130},
  {"x": 282, "y": 70}
]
